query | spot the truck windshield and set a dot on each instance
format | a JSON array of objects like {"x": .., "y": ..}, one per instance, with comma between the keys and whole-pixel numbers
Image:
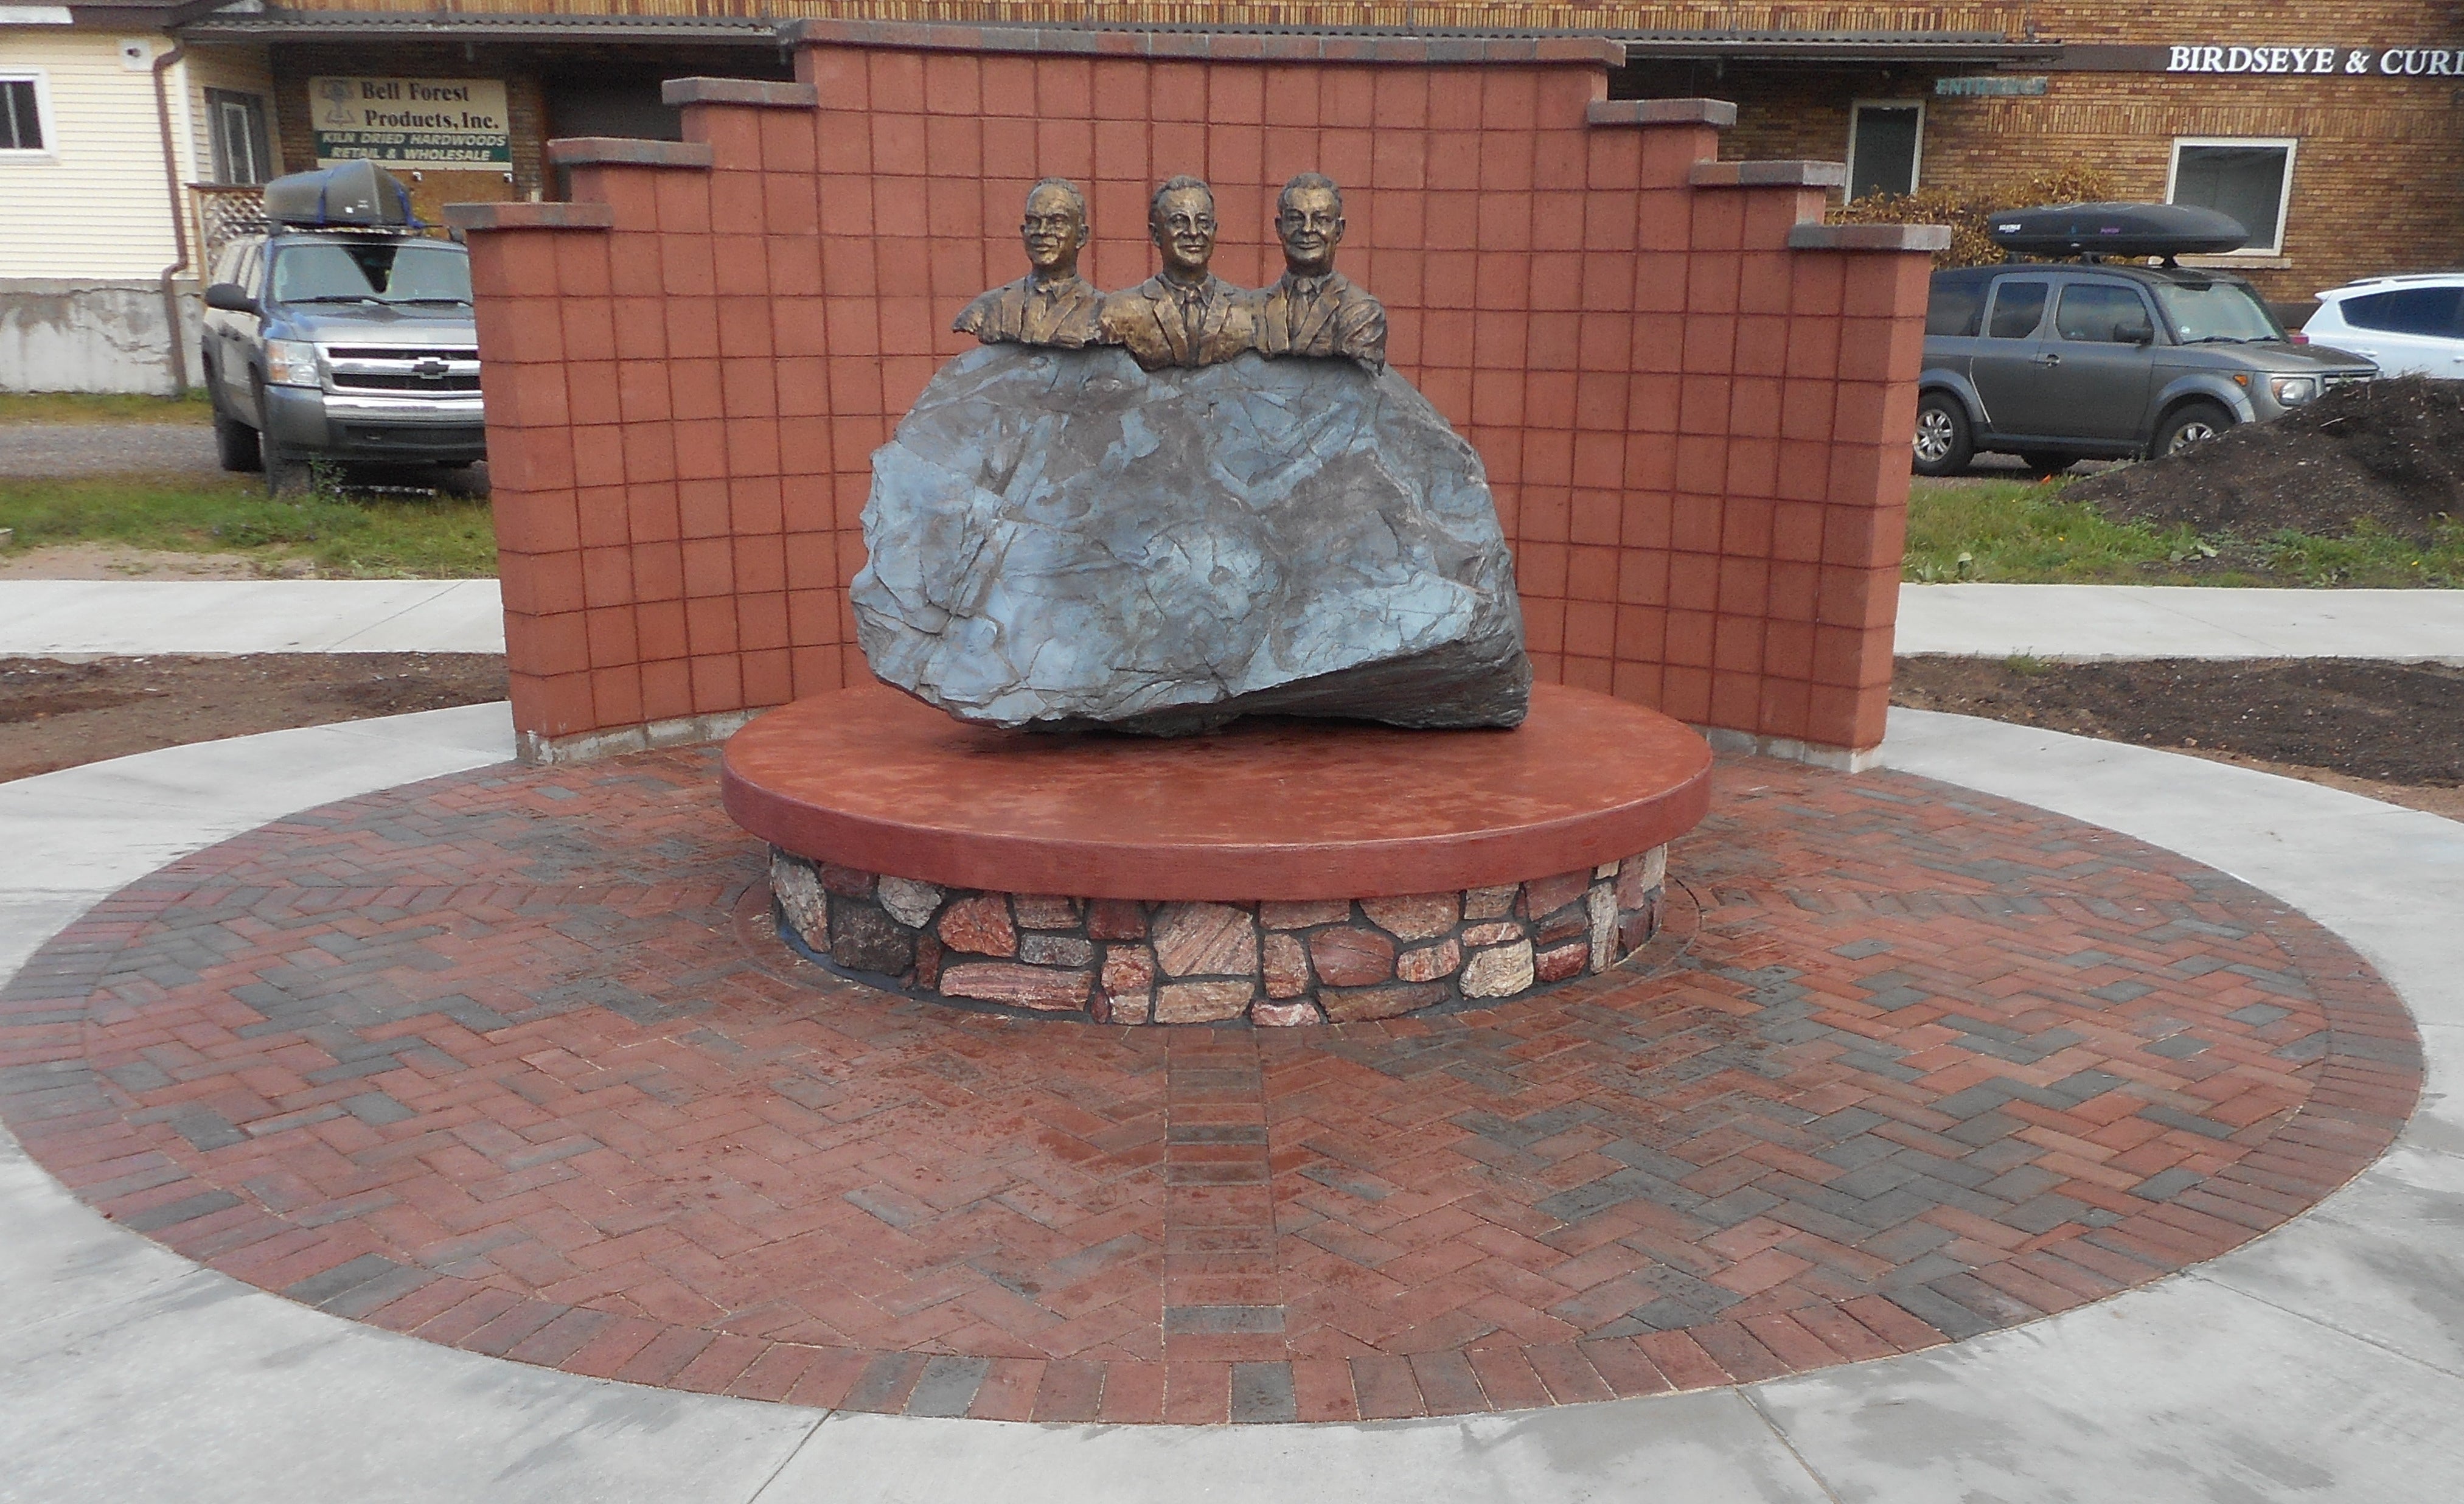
[
  {"x": 413, "y": 271},
  {"x": 2215, "y": 311}
]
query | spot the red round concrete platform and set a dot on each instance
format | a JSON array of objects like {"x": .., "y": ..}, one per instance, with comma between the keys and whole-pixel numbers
[{"x": 867, "y": 778}]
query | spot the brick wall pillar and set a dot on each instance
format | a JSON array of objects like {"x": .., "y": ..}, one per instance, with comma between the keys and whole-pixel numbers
[{"x": 1694, "y": 400}]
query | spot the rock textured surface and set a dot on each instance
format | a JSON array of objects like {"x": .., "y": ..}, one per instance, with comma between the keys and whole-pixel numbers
[{"x": 1059, "y": 539}]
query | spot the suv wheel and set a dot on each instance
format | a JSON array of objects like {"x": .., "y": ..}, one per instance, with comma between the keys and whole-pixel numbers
[
  {"x": 235, "y": 443},
  {"x": 2191, "y": 423},
  {"x": 1944, "y": 444}
]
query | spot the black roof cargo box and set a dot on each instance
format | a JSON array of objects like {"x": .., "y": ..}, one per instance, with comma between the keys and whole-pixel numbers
[
  {"x": 348, "y": 193},
  {"x": 2123, "y": 230}
]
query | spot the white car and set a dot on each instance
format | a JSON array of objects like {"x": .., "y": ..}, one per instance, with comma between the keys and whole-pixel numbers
[{"x": 2412, "y": 325}]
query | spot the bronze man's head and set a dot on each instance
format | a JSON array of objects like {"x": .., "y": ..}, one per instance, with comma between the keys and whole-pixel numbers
[
  {"x": 1055, "y": 226},
  {"x": 1181, "y": 218},
  {"x": 1308, "y": 220}
]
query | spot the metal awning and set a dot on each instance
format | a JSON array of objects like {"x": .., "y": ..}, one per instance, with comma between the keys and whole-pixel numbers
[
  {"x": 338, "y": 26},
  {"x": 1827, "y": 47}
]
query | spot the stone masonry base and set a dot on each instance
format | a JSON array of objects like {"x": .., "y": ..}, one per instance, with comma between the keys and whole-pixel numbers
[{"x": 1122, "y": 962}]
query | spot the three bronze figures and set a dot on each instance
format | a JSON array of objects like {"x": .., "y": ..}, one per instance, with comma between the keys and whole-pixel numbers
[{"x": 1185, "y": 315}]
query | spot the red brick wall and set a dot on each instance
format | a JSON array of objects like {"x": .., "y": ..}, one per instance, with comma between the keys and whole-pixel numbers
[{"x": 1697, "y": 437}]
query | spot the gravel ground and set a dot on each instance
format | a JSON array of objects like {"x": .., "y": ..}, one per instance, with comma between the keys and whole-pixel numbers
[{"x": 106, "y": 449}]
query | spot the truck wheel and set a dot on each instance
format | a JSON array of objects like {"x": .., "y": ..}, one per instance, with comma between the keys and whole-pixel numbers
[
  {"x": 1944, "y": 444},
  {"x": 235, "y": 443},
  {"x": 2191, "y": 423},
  {"x": 2044, "y": 466}
]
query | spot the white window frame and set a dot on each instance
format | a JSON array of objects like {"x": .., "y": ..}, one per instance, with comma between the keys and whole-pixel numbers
[
  {"x": 2292, "y": 146},
  {"x": 49, "y": 150},
  {"x": 1916, "y": 158}
]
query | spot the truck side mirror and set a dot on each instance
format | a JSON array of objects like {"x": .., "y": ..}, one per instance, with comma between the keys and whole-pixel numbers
[
  {"x": 2136, "y": 331},
  {"x": 230, "y": 298}
]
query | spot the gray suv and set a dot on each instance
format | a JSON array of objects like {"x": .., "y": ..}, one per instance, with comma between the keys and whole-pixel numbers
[
  {"x": 2057, "y": 362},
  {"x": 349, "y": 345}
]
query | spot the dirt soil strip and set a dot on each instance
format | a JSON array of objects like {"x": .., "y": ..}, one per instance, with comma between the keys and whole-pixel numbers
[
  {"x": 2389, "y": 731},
  {"x": 56, "y": 715}
]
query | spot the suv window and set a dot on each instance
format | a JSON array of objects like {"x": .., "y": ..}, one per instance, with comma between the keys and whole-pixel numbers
[
  {"x": 1955, "y": 308},
  {"x": 2103, "y": 313},
  {"x": 2413, "y": 310},
  {"x": 2218, "y": 310},
  {"x": 2019, "y": 307}
]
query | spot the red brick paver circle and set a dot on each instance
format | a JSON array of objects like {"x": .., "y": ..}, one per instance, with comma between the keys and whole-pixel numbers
[{"x": 511, "y": 1061}]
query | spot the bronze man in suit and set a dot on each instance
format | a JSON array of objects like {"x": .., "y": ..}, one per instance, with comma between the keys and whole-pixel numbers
[
  {"x": 1186, "y": 315},
  {"x": 1051, "y": 305},
  {"x": 1313, "y": 309}
]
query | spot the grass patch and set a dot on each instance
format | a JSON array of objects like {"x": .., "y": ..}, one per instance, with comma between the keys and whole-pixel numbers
[
  {"x": 350, "y": 535},
  {"x": 2018, "y": 533},
  {"x": 85, "y": 406}
]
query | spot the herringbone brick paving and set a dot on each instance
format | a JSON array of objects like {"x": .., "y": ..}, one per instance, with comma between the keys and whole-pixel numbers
[{"x": 513, "y": 1062}]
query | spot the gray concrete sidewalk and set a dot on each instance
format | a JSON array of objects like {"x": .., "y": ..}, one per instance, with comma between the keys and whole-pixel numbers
[
  {"x": 74, "y": 618},
  {"x": 2323, "y": 1361},
  {"x": 2133, "y": 621}
]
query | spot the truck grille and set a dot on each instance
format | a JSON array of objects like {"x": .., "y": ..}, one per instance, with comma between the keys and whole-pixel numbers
[{"x": 410, "y": 370}]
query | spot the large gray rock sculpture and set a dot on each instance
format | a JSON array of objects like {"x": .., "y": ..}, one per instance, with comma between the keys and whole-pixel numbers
[{"x": 1059, "y": 539}]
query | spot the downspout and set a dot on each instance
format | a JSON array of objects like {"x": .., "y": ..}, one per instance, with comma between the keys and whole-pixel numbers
[{"x": 171, "y": 316}]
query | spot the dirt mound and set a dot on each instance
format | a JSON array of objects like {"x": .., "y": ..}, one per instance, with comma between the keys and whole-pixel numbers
[{"x": 2390, "y": 450}]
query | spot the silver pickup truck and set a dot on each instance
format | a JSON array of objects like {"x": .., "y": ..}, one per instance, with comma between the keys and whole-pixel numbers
[{"x": 342, "y": 334}]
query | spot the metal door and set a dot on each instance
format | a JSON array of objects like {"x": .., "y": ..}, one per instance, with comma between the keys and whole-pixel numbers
[
  {"x": 2091, "y": 368},
  {"x": 2005, "y": 360}
]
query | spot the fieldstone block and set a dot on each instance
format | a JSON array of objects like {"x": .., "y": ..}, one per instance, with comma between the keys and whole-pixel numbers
[
  {"x": 1044, "y": 911},
  {"x": 864, "y": 939},
  {"x": 1489, "y": 903},
  {"x": 1055, "y": 950},
  {"x": 1286, "y": 967},
  {"x": 1562, "y": 962},
  {"x": 1548, "y": 894},
  {"x": 1638, "y": 875},
  {"x": 797, "y": 887},
  {"x": 927, "y": 962},
  {"x": 1205, "y": 940},
  {"x": 980, "y": 925},
  {"x": 1202, "y": 1002},
  {"x": 910, "y": 903},
  {"x": 1496, "y": 931},
  {"x": 1284, "y": 1015},
  {"x": 1008, "y": 981},
  {"x": 1116, "y": 920},
  {"x": 1303, "y": 915},
  {"x": 1350, "y": 958},
  {"x": 1600, "y": 899},
  {"x": 848, "y": 882},
  {"x": 1421, "y": 916},
  {"x": 1429, "y": 963},
  {"x": 1361, "y": 1004},
  {"x": 1500, "y": 971}
]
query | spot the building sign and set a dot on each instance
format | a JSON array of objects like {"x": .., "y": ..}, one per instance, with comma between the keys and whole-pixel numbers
[
  {"x": 2409, "y": 62},
  {"x": 2002, "y": 86},
  {"x": 412, "y": 123}
]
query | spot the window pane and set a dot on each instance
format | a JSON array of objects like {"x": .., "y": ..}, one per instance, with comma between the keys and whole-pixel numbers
[
  {"x": 2105, "y": 315},
  {"x": 21, "y": 126},
  {"x": 2215, "y": 311},
  {"x": 2245, "y": 181},
  {"x": 2019, "y": 307},
  {"x": 1955, "y": 308},
  {"x": 2414, "y": 310},
  {"x": 378, "y": 272},
  {"x": 1886, "y": 150}
]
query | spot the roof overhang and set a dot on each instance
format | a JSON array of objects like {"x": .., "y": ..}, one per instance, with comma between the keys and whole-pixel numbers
[
  {"x": 503, "y": 26},
  {"x": 1953, "y": 48}
]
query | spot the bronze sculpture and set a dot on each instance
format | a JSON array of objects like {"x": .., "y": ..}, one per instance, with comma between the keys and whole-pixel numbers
[
  {"x": 1313, "y": 309},
  {"x": 1052, "y": 304},
  {"x": 1185, "y": 315}
]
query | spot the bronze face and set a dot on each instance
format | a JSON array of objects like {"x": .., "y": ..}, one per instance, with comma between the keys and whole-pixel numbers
[
  {"x": 1055, "y": 232},
  {"x": 1309, "y": 223},
  {"x": 1183, "y": 227}
]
